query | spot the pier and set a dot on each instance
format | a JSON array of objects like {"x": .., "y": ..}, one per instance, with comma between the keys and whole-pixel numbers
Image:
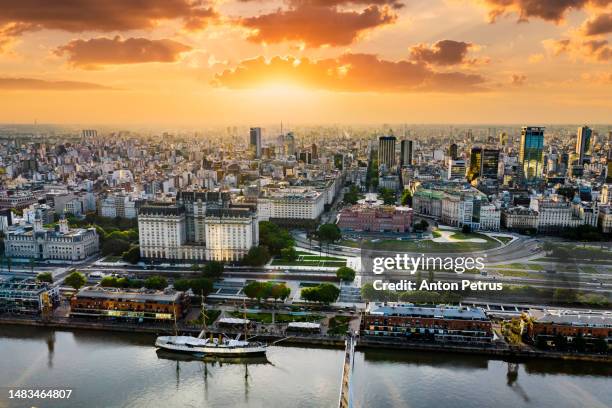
[{"x": 346, "y": 395}]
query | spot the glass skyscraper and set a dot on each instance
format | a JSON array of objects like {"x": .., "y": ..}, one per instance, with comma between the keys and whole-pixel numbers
[{"x": 531, "y": 154}]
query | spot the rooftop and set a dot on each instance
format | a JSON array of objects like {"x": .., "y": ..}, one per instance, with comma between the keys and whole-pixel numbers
[{"x": 443, "y": 312}]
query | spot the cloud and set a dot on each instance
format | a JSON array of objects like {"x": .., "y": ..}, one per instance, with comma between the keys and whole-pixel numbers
[
  {"x": 107, "y": 51},
  {"x": 549, "y": 10},
  {"x": 593, "y": 50},
  {"x": 102, "y": 15},
  {"x": 31, "y": 84},
  {"x": 518, "y": 79},
  {"x": 535, "y": 58},
  {"x": 316, "y": 25},
  {"x": 396, "y": 4},
  {"x": 598, "y": 25},
  {"x": 347, "y": 73},
  {"x": 445, "y": 52}
]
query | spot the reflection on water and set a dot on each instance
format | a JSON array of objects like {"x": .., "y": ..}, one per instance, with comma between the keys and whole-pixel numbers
[{"x": 125, "y": 370}]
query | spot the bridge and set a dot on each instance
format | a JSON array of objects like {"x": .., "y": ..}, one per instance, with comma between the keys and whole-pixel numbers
[{"x": 346, "y": 394}]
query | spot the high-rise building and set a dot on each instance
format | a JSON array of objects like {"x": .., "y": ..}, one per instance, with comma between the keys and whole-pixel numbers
[
  {"x": 456, "y": 169},
  {"x": 609, "y": 172},
  {"x": 583, "y": 143},
  {"x": 503, "y": 139},
  {"x": 475, "y": 163},
  {"x": 386, "y": 151},
  {"x": 290, "y": 142},
  {"x": 255, "y": 141},
  {"x": 406, "y": 153},
  {"x": 531, "y": 151},
  {"x": 489, "y": 163},
  {"x": 453, "y": 151},
  {"x": 315, "y": 151}
]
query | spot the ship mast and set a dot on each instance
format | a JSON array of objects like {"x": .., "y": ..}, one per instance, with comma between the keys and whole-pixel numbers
[{"x": 203, "y": 332}]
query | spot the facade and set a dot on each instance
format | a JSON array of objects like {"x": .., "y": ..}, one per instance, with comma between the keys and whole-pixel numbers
[
  {"x": 554, "y": 215},
  {"x": 26, "y": 295},
  {"x": 386, "y": 152},
  {"x": 291, "y": 204},
  {"x": 375, "y": 219},
  {"x": 18, "y": 200},
  {"x": 519, "y": 219},
  {"x": 605, "y": 219},
  {"x": 230, "y": 233},
  {"x": 117, "y": 205},
  {"x": 161, "y": 230},
  {"x": 428, "y": 202},
  {"x": 60, "y": 243},
  {"x": 115, "y": 303},
  {"x": 440, "y": 324},
  {"x": 531, "y": 155},
  {"x": 569, "y": 324}
]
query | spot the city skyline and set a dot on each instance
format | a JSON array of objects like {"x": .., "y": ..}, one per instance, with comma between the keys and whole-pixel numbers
[{"x": 252, "y": 62}]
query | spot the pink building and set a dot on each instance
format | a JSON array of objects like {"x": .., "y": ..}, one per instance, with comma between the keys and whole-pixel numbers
[{"x": 376, "y": 219}]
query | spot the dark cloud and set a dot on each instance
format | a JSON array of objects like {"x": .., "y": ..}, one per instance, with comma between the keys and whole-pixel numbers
[
  {"x": 600, "y": 24},
  {"x": 348, "y": 73},
  {"x": 107, "y": 51},
  {"x": 598, "y": 49},
  {"x": 445, "y": 52},
  {"x": 550, "y": 10},
  {"x": 102, "y": 15},
  {"x": 316, "y": 25},
  {"x": 396, "y": 4},
  {"x": 30, "y": 84}
]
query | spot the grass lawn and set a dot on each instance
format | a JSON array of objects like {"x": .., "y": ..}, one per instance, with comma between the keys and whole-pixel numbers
[
  {"x": 112, "y": 258},
  {"x": 311, "y": 260},
  {"x": 428, "y": 245},
  {"x": 518, "y": 274},
  {"x": 338, "y": 325},
  {"x": 279, "y": 317},
  {"x": 588, "y": 269},
  {"x": 436, "y": 234},
  {"x": 531, "y": 267},
  {"x": 504, "y": 240}
]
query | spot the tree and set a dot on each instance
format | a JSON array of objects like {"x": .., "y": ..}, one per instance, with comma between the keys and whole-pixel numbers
[
  {"x": 352, "y": 195},
  {"x": 289, "y": 254},
  {"x": 156, "y": 282},
  {"x": 388, "y": 196},
  {"x": 255, "y": 290},
  {"x": 324, "y": 293},
  {"x": 45, "y": 277},
  {"x": 274, "y": 237},
  {"x": 422, "y": 225},
  {"x": 329, "y": 233},
  {"x": 76, "y": 280},
  {"x": 346, "y": 274},
  {"x": 466, "y": 229},
  {"x": 279, "y": 291},
  {"x": 257, "y": 256},
  {"x": 579, "y": 343},
  {"x": 115, "y": 247},
  {"x": 213, "y": 269},
  {"x": 406, "y": 197},
  {"x": 132, "y": 255},
  {"x": 201, "y": 286}
]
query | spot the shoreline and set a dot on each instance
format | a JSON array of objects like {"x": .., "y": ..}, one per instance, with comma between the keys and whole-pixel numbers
[{"x": 324, "y": 341}]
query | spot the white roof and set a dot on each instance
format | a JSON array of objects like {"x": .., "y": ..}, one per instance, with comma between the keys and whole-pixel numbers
[
  {"x": 232, "y": 320},
  {"x": 304, "y": 325}
]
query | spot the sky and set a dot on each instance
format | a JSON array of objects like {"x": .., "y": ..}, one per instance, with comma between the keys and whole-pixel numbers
[{"x": 251, "y": 62}]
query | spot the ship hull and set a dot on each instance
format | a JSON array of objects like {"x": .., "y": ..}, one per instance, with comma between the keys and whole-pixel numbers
[{"x": 212, "y": 350}]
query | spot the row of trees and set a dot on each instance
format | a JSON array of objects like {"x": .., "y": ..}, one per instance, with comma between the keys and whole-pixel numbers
[
  {"x": 266, "y": 290},
  {"x": 273, "y": 241},
  {"x": 153, "y": 282}
]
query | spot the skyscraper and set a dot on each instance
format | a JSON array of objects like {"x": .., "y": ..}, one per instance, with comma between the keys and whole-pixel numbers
[
  {"x": 255, "y": 141},
  {"x": 489, "y": 163},
  {"x": 453, "y": 151},
  {"x": 386, "y": 151},
  {"x": 531, "y": 155},
  {"x": 583, "y": 143},
  {"x": 456, "y": 169},
  {"x": 503, "y": 138},
  {"x": 406, "y": 153},
  {"x": 290, "y": 142},
  {"x": 475, "y": 163}
]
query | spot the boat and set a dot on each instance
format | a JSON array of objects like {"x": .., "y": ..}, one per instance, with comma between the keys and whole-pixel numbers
[{"x": 212, "y": 346}]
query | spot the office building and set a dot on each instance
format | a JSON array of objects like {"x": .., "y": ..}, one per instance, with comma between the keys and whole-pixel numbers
[
  {"x": 583, "y": 144},
  {"x": 386, "y": 152},
  {"x": 456, "y": 169},
  {"x": 230, "y": 233},
  {"x": 453, "y": 152},
  {"x": 255, "y": 141},
  {"x": 27, "y": 295},
  {"x": 475, "y": 164},
  {"x": 489, "y": 163},
  {"x": 129, "y": 304},
  {"x": 531, "y": 157},
  {"x": 406, "y": 153},
  {"x": 59, "y": 243}
]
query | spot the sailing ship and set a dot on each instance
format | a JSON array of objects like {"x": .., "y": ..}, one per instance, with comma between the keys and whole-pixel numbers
[{"x": 212, "y": 346}]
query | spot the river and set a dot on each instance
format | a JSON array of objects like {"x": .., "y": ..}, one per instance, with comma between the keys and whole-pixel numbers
[{"x": 124, "y": 370}]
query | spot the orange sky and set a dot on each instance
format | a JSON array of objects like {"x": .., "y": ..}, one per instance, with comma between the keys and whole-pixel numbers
[{"x": 188, "y": 62}]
